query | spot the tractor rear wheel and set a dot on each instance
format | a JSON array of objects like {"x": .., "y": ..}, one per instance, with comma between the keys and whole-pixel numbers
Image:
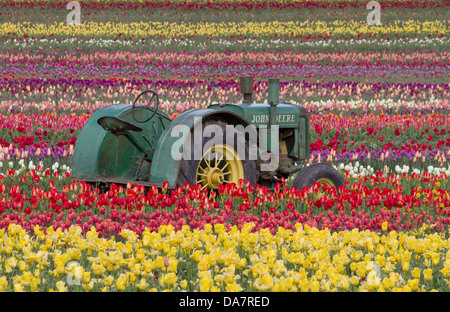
[
  {"x": 319, "y": 172},
  {"x": 219, "y": 163}
]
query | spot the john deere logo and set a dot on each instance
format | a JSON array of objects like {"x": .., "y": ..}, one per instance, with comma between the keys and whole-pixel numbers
[{"x": 283, "y": 118}]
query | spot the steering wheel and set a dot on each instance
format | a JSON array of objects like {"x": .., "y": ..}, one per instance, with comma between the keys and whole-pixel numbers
[{"x": 154, "y": 109}]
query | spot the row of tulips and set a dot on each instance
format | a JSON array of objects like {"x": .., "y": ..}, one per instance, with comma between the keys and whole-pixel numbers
[
  {"x": 415, "y": 138},
  {"x": 391, "y": 137},
  {"x": 79, "y": 94},
  {"x": 232, "y": 43},
  {"x": 217, "y": 259},
  {"x": 398, "y": 132},
  {"x": 38, "y": 134},
  {"x": 48, "y": 197},
  {"x": 329, "y": 65},
  {"x": 50, "y": 11},
  {"x": 320, "y": 30},
  {"x": 130, "y": 4}
]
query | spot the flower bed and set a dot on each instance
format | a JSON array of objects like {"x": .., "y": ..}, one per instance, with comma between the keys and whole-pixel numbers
[{"x": 378, "y": 99}]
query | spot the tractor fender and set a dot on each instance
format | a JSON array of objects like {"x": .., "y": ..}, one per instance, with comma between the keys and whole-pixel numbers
[
  {"x": 101, "y": 156},
  {"x": 89, "y": 144},
  {"x": 164, "y": 167}
]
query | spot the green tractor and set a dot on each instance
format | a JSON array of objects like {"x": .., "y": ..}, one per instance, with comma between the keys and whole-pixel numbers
[{"x": 259, "y": 143}]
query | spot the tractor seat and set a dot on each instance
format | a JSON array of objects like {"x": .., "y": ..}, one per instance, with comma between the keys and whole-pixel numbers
[{"x": 116, "y": 125}]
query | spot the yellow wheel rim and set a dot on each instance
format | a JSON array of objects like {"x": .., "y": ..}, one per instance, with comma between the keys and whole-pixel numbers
[
  {"x": 219, "y": 164},
  {"x": 326, "y": 181}
]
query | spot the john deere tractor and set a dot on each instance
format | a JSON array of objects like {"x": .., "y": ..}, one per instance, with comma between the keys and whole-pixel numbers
[{"x": 223, "y": 143}]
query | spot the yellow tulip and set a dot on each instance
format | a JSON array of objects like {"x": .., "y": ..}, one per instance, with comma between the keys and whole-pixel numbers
[
  {"x": 278, "y": 268},
  {"x": 435, "y": 258},
  {"x": 203, "y": 265},
  {"x": 405, "y": 266},
  {"x": 130, "y": 277},
  {"x": 142, "y": 284},
  {"x": 98, "y": 269},
  {"x": 242, "y": 263},
  {"x": 3, "y": 283},
  {"x": 385, "y": 283},
  {"x": 415, "y": 273},
  {"x": 148, "y": 266},
  {"x": 23, "y": 266},
  {"x": 169, "y": 279},
  {"x": 121, "y": 283},
  {"x": 361, "y": 271},
  {"x": 319, "y": 274},
  {"x": 233, "y": 288},
  {"x": 208, "y": 228},
  {"x": 127, "y": 248},
  {"x": 61, "y": 286},
  {"x": 414, "y": 284},
  {"x": 354, "y": 280},
  {"x": 268, "y": 280},
  {"x": 140, "y": 255},
  {"x": 344, "y": 283},
  {"x": 205, "y": 284},
  {"x": 445, "y": 271},
  {"x": 373, "y": 280},
  {"x": 304, "y": 285},
  {"x": 86, "y": 277},
  {"x": 325, "y": 285},
  {"x": 60, "y": 268},
  {"x": 315, "y": 286},
  {"x": 88, "y": 286},
  {"x": 11, "y": 262},
  {"x": 173, "y": 264},
  {"x": 18, "y": 287},
  {"x": 427, "y": 274},
  {"x": 108, "y": 280},
  {"x": 219, "y": 228},
  {"x": 34, "y": 285},
  {"x": 183, "y": 284},
  {"x": 74, "y": 254}
]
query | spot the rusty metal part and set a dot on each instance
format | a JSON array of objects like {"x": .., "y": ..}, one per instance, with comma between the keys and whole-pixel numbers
[{"x": 246, "y": 86}]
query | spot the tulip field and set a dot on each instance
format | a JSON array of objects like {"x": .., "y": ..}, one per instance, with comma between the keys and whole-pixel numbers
[{"x": 379, "y": 103}]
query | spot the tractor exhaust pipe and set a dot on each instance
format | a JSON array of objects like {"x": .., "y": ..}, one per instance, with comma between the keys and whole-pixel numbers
[
  {"x": 273, "y": 91},
  {"x": 247, "y": 88},
  {"x": 273, "y": 98}
]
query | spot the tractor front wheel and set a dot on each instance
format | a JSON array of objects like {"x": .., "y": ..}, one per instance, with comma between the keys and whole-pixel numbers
[
  {"x": 319, "y": 172},
  {"x": 219, "y": 163}
]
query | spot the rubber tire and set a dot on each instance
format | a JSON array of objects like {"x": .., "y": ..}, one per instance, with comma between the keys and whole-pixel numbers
[
  {"x": 188, "y": 168},
  {"x": 311, "y": 174}
]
